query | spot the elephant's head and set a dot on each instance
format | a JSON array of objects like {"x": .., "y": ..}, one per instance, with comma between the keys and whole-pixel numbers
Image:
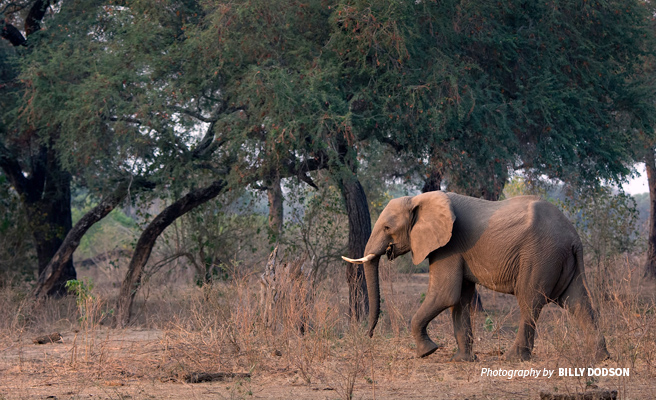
[{"x": 420, "y": 224}]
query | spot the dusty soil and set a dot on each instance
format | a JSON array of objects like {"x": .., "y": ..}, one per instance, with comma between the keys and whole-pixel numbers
[{"x": 104, "y": 363}]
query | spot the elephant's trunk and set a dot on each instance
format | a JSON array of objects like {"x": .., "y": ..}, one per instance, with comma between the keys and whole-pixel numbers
[{"x": 371, "y": 275}]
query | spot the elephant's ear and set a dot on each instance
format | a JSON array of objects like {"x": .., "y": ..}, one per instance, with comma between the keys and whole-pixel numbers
[{"x": 433, "y": 219}]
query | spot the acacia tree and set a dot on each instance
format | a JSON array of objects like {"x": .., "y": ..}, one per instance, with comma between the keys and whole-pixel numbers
[
  {"x": 111, "y": 113},
  {"x": 270, "y": 56},
  {"x": 27, "y": 156}
]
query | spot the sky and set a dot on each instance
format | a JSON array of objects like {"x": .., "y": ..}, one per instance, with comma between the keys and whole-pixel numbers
[{"x": 638, "y": 184}]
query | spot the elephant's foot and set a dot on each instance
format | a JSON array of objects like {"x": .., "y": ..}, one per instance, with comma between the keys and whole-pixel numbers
[
  {"x": 425, "y": 348},
  {"x": 517, "y": 354},
  {"x": 463, "y": 356}
]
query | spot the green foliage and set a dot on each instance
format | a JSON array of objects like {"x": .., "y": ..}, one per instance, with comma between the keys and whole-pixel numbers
[
  {"x": 89, "y": 308},
  {"x": 514, "y": 187},
  {"x": 490, "y": 87},
  {"x": 489, "y": 324},
  {"x": 81, "y": 289},
  {"x": 546, "y": 189}
]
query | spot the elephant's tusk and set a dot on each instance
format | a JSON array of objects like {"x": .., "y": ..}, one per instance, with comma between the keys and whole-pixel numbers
[{"x": 360, "y": 260}]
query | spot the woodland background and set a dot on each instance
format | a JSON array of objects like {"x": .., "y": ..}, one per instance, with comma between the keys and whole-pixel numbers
[{"x": 181, "y": 141}]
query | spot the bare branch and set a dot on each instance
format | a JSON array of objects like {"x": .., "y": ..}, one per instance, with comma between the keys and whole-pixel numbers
[
  {"x": 125, "y": 119},
  {"x": 196, "y": 115},
  {"x": 16, "y": 8}
]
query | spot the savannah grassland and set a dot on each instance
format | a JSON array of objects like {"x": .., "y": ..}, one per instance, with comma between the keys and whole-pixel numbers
[{"x": 180, "y": 329}]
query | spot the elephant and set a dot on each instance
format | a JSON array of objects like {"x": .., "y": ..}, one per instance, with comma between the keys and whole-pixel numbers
[{"x": 523, "y": 246}]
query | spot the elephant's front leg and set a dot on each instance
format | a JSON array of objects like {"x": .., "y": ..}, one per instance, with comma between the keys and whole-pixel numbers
[
  {"x": 445, "y": 282},
  {"x": 462, "y": 326}
]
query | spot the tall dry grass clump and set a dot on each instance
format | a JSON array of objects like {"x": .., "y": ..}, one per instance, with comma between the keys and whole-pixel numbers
[
  {"x": 243, "y": 325},
  {"x": 627, "y": 318},
  {"x": 627, "y": 311}
]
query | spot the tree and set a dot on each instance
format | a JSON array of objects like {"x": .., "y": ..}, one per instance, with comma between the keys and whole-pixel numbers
[
  {"x": 270, "y": 54},
  {"x": 147, "y": 240},
  {"x": 110, "y": 113},
  {"x": 16, "y": 247},
  {"x": 27, "y": 158},
  {"x": 181, "y": 92}
]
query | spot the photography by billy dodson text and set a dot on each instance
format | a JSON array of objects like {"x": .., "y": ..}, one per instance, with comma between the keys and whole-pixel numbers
[{"x": 548, "y": 373}]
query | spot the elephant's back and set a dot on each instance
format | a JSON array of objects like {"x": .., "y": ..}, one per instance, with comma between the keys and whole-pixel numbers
[
  {"x": 530, "y": 221},
  {"x": 515, "y": 235}
]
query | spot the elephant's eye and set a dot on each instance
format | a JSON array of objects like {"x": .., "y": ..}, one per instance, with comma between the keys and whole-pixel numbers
[{"x": 386, "y": 228}]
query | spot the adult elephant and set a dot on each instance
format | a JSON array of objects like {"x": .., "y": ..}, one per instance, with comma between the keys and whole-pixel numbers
[{"x": 523, "y": 246}]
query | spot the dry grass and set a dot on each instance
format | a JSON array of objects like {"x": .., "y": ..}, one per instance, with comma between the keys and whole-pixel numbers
[{"x": 181, "y": 329}]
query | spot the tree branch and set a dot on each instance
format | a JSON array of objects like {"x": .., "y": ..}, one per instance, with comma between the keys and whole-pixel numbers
[
  {"x": 222, "y": 109},
  {"x": 17, "y": 7},
  {"x": 13, "y": 35},
  {"x": 34, "y": 17},
  {"x": 125, "y": 119},
  {"x": 196, "y": 115}
]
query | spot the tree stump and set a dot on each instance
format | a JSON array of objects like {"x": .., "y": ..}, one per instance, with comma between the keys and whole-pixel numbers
[{"x": 286, "y": 291}]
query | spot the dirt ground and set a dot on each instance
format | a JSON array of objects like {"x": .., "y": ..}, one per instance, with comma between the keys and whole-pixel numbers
[{"x": 105, "y": 363}]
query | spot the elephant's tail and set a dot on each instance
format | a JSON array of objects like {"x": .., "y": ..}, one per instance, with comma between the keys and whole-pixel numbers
[
  {"x": 577, "y": 249},
  {"x": 573, "y": 269}
]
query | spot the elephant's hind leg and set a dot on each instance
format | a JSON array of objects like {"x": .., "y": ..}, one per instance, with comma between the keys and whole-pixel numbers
[
  {"x": 462, "y": 326},
  {"x": 576, "y": 300},
  {"x": 445, "y": 282},
  {"x": 530, "y": 312}
]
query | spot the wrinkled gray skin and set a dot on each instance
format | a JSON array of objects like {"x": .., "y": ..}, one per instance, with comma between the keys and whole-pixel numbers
[{"x": 523, "y": 246}]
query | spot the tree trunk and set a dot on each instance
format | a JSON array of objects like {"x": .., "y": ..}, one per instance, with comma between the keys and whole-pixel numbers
[
  {"x": 50, "y": 221},
  {"x": 494, "y": 184},
  {"x": 650, "y": 166},
  {"x": 147, "y": 240},
  {"x": 433, "y": 181},
  {"x": 286, "y": 291},
  {"x": 50, "y": 276},
  {"x": 46, "y": 195},
  {"x": 359, "y": 219},
  {"x": 276, "y": 215}
]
